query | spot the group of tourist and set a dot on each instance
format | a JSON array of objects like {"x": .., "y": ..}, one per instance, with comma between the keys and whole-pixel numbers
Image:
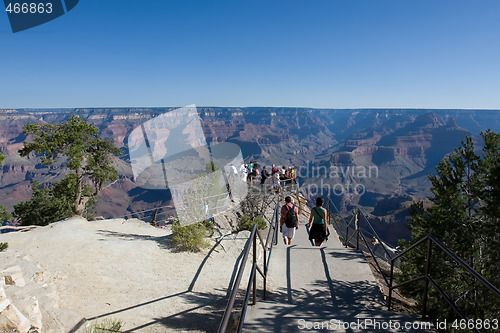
[
  {"x": 250, "y": 172},
  {"x": 289, "y": 222},
  {"x": 317, "y": 225}
]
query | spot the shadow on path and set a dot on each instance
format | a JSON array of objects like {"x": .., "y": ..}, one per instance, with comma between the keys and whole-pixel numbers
[
  {"x": 325, "y": 288},
  {"x": 314, "y": 305}
]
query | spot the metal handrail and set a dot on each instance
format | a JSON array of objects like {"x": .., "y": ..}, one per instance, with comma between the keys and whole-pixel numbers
[
  {"x": 430, "y": 239},
  {"x": 272, "y": 226},
  {"x": 247, "y": 297},
  {"x": 232, "y": 297},
  {"x": 360, "y": 232},
  {"x": 374, "y": 233},
  {"x": 428, "y": 279},
  {"x": 274, "y": 238},
  {"x": 381, "y": 271},
  {"x": 252, "y": 282}
]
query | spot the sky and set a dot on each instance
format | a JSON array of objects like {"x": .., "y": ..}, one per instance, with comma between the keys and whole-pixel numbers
[{"x": 309, "y": 53}]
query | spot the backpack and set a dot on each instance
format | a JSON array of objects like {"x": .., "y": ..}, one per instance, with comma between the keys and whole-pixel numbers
[
  {"x": 291, "y": 219},
  {"x": 256, "y": 172}
]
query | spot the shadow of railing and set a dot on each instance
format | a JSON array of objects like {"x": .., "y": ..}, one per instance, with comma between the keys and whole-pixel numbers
[{"x": 185, "y": 320}]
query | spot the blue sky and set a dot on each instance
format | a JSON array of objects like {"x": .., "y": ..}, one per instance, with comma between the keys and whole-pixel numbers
[{"x": 310, "y": 53}]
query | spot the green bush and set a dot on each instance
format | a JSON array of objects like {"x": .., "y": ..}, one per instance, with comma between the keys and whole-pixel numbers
[
  {"x": 4, "y": 215},
  {"x": 247, "y": 224},
  {"x": 209, "y": 226},
  {"x": 3, "y": 246},
  {"x": 105, "y": 326},
  {"x": 51, "y": 203},
  {"x": 44, "y": 207},
  {"x": 189, "y": 237}
]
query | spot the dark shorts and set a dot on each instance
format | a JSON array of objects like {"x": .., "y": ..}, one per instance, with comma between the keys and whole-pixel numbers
[{"x": 317, "y": 232}]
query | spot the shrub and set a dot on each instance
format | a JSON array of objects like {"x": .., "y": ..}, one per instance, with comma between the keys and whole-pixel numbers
[
  {"x": 105, "y": 326},
  {"x": 209, "y": 226},
  {"x": 44, "y": 207},
  {"x": 247, "y": 224},
  {"x": 4, "y": 215},
  {"x": 3, "y": 246},
  {"x": 189, "y": 237},
  {"x": 52, "y": 202}
]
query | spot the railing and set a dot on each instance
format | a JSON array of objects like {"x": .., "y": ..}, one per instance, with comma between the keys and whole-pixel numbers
[
  {"x": 267, "y": 248},
  {"x": 427, "y": 276},
  {"x": 370, "y": 240},
  {"x": 384, "y": 252}
]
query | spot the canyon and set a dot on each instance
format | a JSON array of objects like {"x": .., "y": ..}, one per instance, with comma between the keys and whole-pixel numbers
[{"x": 402, "y": 145}]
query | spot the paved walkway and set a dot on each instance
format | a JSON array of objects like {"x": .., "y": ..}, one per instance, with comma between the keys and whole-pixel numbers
[{"x": 323, "y": 289}]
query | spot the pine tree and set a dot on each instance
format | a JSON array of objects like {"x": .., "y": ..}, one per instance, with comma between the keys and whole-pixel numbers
[
  {"x": 79, "y": 145},
  {"x": 4, "y": 215},
  {"x": 465, "y": 216}
]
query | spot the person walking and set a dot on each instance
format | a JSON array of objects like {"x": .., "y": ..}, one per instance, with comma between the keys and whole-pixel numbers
[
  {"x": 243, "y": 172},
  {"x": 276, "y": 182},
  {"x": 264, "y": 175},
  {"x": 289, "y": 221},
  {"x": 283, "y": 177},
  {"x": 250, "y": 172},
  {"x": 319, "y": 230},
  {"x": 274, "y": 169}
]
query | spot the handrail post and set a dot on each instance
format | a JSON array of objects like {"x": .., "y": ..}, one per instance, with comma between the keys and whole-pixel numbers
[
  {"x": 356, "y": 225},
  {"x": 426, "y": 281},
  {"x": 276, "y": 222},
  {"x": 298, "y": 199},
  {"x": 265, "y": 275},
  {"x": 153, "y": 221},
  {"x": 346, "y": 235},
  {"x": 389, "y": 300},
  {"x": 329, "y": 212},
  {"x": 329, "y": 216},
  {"x": 254, "y": 283}
]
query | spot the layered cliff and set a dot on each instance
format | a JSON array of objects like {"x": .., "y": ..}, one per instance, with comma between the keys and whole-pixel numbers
[{"x": 404, "y": 146}]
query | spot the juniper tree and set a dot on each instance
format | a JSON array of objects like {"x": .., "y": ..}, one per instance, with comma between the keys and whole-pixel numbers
[
  {"x": 84, "y": 152},
  {"x": 464, "y": 215},
  {"x": 4, "y": 215}
]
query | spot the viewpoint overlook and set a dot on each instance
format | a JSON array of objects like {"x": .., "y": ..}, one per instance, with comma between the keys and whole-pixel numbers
[{"x": 370, "y": 166}]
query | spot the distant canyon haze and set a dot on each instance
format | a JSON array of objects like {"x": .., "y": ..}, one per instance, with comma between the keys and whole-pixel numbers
[{"x": 377, "y": 160}]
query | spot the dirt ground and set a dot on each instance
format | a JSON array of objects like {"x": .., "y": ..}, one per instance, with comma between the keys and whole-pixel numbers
[{"x": 81, "y": 271}]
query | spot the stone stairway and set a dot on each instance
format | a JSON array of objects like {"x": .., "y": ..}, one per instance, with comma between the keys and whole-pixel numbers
[{"x": 324, "y": 289}]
